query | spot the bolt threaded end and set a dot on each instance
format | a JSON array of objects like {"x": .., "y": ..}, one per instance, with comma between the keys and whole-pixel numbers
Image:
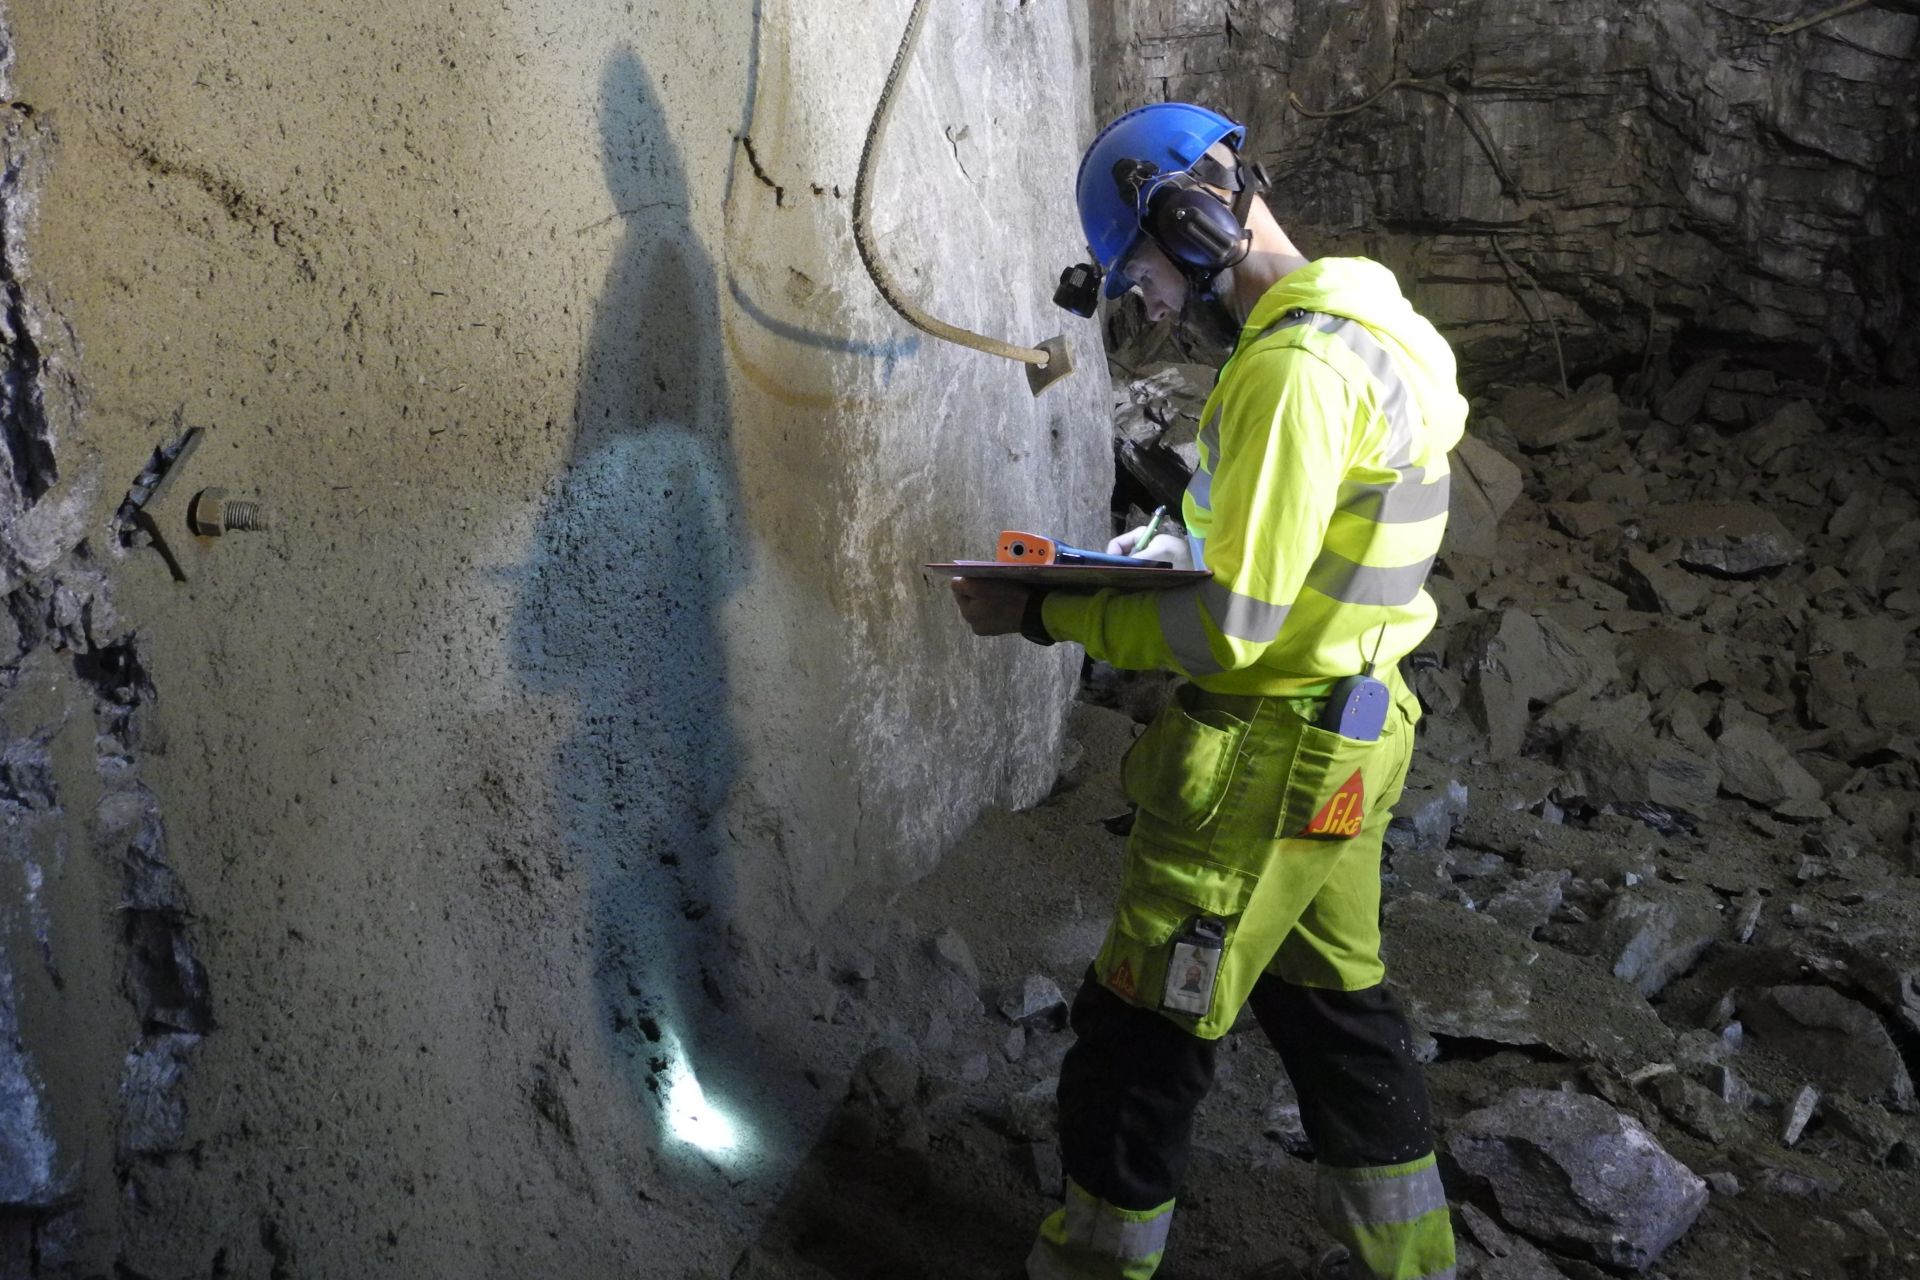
[{"x": 245, "y": 516}]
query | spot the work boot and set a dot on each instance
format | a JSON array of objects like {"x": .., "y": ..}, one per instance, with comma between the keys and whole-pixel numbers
[{"x": 1335, "y": 1264}]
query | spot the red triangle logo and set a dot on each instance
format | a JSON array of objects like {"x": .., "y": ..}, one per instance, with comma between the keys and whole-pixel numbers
[
  {"x": 1340, "y": 817},
  {"x": 1121, "y": 980}
]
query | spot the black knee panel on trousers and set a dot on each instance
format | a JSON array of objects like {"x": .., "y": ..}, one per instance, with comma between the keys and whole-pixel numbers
[
  {"x": 1128, "y": 1089},
  {"x": 1363, "y": 1099}
]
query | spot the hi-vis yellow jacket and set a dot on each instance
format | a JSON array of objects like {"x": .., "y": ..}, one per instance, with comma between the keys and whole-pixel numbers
[{"x": 1318, "y": 503}]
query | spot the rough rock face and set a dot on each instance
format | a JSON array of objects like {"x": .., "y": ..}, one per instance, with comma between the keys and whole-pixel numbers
[
  {"x": 84, "y": 833},
  {"x": 1616, "y": 175},
  {"x": 1615, "y": 1196}
]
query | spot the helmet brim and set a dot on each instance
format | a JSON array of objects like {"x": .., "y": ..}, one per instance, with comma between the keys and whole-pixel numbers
[{"x": 1118, "y": 281}]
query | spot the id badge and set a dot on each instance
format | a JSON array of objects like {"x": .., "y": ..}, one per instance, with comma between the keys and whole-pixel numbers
[{"x": 1194, "y": 967}]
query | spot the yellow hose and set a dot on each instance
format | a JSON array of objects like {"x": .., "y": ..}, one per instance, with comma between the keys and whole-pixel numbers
[{"x": 863, "y": 237}]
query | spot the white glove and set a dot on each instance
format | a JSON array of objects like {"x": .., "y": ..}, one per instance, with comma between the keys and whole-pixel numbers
[{"x": 1165, "y": 546}]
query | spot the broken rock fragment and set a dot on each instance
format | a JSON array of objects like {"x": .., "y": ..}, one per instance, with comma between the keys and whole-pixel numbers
[
  {"x": 1037, "y": 1000},
  {"x": 1681, "y": 402},
  {"x": 1508, "y": 1257},
  {"x": 1661, "y": 588},
  {"x": 1770, "y": 445},
  {"x": 1517, "y": 660},
  {"x": 1799, "y": 1113},
  {"x": 952, "y": 949},
  {"x": 1578, "y": 1176},
  {"x": 1582, "y": 520},
  {"x": 1755, "y": 766},
  {"x": 1663, "y": 662},
  {"x": 1527, "y": 904},
  {"x": 1656, "y": 932}
]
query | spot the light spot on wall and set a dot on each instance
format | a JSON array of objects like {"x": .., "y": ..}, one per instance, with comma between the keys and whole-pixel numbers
[{"x": 694, "y": 1119}]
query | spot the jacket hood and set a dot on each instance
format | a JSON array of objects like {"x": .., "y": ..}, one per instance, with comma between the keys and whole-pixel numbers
[{"x": 1363, "y": 290}]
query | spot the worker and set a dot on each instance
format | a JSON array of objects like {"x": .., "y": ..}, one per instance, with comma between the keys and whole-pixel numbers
[{"x": 1252, "y": 873}]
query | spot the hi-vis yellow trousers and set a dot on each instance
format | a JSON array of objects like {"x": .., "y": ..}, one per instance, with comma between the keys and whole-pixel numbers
[{"x": 1252, "y": 879}]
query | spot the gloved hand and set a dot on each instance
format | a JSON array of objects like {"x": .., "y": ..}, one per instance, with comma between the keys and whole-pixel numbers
[
  {"x": 1165, "y": 546},
  {"x": 989, "y": 607}
]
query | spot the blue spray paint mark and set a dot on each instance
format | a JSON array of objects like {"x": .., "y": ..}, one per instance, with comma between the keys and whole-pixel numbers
[{"x": 888, "y": 353}]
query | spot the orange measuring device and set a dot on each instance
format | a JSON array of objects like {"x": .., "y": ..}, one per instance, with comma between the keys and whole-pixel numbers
[{"x": 1020, "y": 548}]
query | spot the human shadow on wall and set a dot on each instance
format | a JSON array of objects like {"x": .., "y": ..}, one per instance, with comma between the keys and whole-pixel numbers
[{"x": 631, "y": 563}]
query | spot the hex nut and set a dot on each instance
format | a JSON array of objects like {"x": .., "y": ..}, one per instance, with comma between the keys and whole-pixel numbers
[{"x": 207, "y": 515}]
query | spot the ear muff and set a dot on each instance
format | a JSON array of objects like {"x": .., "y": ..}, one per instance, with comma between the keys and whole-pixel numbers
[{"x": 1194, "y": 228}]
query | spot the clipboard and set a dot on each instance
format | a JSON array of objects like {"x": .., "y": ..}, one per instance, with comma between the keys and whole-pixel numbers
[{"x": 1074, "y": 577}]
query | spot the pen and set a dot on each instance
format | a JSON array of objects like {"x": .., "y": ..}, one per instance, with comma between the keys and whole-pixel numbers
[{"x": 1153, "y": 527}]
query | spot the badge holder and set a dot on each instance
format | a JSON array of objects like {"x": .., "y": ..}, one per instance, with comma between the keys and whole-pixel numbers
[{"x": 1194, "y": 967}]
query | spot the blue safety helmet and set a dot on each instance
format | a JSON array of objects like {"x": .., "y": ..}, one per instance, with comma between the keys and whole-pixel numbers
[{"x": 1171, "y": 136}]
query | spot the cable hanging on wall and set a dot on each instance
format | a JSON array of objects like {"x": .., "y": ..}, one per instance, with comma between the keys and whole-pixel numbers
[{"x": 1047, "y": 363}]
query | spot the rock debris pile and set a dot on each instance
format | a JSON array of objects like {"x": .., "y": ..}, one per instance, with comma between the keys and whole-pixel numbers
[
  {"x": 1662, "y": 837},
  {"x": 1651, "y": 897}
]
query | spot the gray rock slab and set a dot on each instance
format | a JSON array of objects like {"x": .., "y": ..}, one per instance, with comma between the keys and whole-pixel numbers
[
  {"x": 1680, "y": 403},
  {"x": 1696, "y": 1109},
  {"x": 1030, "y": 1115},
  {"x": 1831, "y": 695},
  {"x": 1754, "y": 765},
  {"x": 1799, "y": 1113},
  {"x": 1462, "y": 974},
  {"x": 1893, "y": 698},
  {"x": 1875, "y": 642},
  {"x": 1541, "y": 419},
  {"x": 1736, "y": 539},
  {"x": 1618, "y": 488},
  {"x": 1663, "y": 660},
  {"x": 1484, "y": 485},
  {"x": 1283, "y": 1124},
  {"x": 1582, "y": 520},
  {"x": 154, "y": 1114},
  {"x": 27, "y": 1176},
  {"x": 1840, "y": 1043},
  {"x": 1578, "y": 1176},
  {"x": 1043, "y": 1159},
  {"x": 1539, "y": 844},
  {"x": 1432, "y": 812},
  {"x": 1613, "y": 765}
]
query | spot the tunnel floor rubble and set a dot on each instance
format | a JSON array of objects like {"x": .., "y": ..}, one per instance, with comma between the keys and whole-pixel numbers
[{"x": 1655, "y": 876}]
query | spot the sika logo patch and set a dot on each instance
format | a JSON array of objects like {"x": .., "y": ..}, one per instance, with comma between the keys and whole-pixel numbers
[
  {"x": 1121, "y": 980},
  {"x": 1340, "y": 817}
]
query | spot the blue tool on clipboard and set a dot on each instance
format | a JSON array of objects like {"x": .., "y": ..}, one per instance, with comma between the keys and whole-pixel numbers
[{"x": 1035, "y": 549}]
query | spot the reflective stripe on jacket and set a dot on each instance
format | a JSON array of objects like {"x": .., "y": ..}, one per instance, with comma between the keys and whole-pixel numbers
[{"x": 1319, "y": 502}]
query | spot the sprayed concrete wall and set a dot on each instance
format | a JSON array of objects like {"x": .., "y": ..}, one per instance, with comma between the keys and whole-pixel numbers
[{"x": 380, "y": 884}]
